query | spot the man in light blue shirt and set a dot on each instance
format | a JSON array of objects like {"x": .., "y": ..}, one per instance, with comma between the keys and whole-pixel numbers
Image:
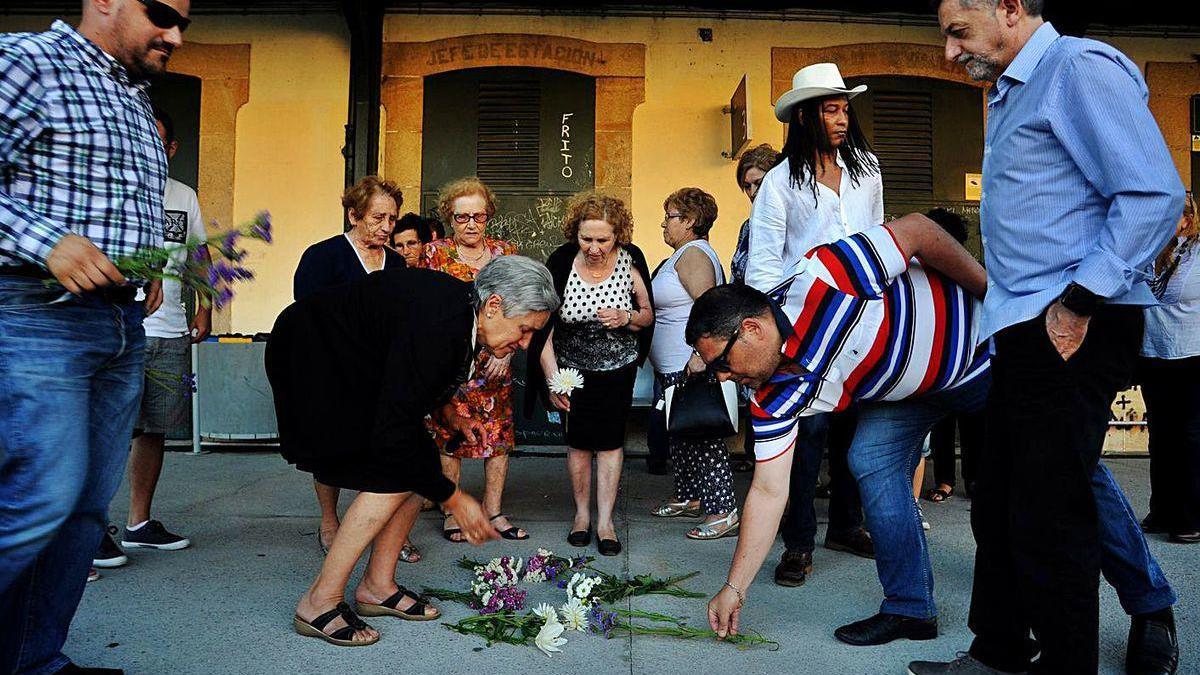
[{"x": 1079, "y": 195}]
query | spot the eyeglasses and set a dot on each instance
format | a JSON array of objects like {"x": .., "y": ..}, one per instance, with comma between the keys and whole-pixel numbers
[
  {"x": 721, "y": 363},
  {"x": 675, "y": 216},
  {"x": 463, "y": 218},
  {"x": 165, "y": 16}
]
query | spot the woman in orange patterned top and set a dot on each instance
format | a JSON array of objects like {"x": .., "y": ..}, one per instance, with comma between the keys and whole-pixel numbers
[{"x": 467, "y": 205}]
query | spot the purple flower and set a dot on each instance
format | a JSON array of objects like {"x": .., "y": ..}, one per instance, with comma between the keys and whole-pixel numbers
[
  {"x": 262, "y": 226},
  {"x": 223, "y": 297},
  {"x": 188, "y": 380}
]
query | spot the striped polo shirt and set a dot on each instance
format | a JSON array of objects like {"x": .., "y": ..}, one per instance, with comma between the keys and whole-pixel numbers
[{"x": 863, "y": 322}]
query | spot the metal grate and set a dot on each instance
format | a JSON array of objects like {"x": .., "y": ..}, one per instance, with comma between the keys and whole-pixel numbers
[
  {"x": 904, "y": 142},
  {"x": 507, "y": 149}
]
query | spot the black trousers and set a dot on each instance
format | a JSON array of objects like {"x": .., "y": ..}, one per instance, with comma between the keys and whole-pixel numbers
[
  {"x": 1171, "y": 389},
  {"x": 845, "y": 506},
  {"x": 969, "y": 428},
  {"x": 1037, "y": 560}
]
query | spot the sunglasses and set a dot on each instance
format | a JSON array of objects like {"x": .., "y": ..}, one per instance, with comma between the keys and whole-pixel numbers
[
  {"x": 164, "y": 16},
  {"x": 721, "y": 363},
  {"x": 462, "y": 218}
]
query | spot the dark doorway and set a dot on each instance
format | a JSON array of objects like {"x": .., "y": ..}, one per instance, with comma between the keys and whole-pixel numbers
[
  {"x": 928, "y": 135},
  {"x": 529, "y": 133},
  {"x": 179, "y": 95}
]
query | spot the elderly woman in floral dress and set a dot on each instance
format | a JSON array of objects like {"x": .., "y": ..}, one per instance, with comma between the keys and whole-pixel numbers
[{"x": 467, "y": 205}]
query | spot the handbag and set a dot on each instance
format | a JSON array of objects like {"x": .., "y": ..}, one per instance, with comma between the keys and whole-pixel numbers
[{"x": 701, "y": 409}]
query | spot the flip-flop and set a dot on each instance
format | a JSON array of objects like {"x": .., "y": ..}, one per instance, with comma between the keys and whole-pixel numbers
[
  {"x": 342, "y": 637},
  {"x": 509, "y": 534},
  {"x": 388, "y": 607}
]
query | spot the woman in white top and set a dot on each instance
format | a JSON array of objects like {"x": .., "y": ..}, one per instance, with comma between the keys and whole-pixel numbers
[
  {"x": 1171, "y": 386},
  {"x": 703, "y": 481},
  {"x": 826, "y": 186}
]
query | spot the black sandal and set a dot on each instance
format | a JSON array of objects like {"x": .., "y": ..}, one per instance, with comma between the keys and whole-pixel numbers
[
  {"x": 388, "y": 607},
  {"x": 938, "y": 495},
  {"x": 449, "y": 534},
  {"x": 342, "y": 637},
  {"x": 510, "y": 533}
]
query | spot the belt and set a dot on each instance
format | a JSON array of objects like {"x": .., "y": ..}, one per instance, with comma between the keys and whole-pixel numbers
[
  {"x": 118, "y": 295},
  {"x": 26, "y": 270}
]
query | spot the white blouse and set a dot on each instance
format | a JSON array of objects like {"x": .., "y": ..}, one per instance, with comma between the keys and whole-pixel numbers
[{"x": 787, "y": 222}]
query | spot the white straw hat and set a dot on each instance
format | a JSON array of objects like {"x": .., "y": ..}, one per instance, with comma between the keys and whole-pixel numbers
[{"x": 815, "y": 81}]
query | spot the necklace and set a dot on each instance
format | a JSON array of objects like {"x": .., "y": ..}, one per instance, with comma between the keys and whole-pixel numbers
[
  {"x": 596, "y": 274},
  {"x": 476, "y": 259}
]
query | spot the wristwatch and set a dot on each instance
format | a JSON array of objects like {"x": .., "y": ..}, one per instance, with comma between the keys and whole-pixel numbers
[{"x": 1080, "y": 300}]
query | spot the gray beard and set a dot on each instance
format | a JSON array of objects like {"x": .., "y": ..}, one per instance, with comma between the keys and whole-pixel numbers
[{"x": 981, "y": 69}]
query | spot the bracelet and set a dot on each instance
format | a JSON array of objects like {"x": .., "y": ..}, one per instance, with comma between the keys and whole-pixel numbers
[
  {"x": 630, "y": 313},
  {"x": 741, "y": 596}
]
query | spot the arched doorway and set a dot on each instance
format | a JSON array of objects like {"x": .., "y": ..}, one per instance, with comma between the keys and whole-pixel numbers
[
  {"x": 928, "y": 136},
  {"x": 529, "y": 133}
]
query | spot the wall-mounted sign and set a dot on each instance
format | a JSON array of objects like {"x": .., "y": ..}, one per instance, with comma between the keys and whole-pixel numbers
[
  {"x": 739, "y": 121},
  {"x": 973, "y": 190},
  {"x": 1195, "y": 142}
]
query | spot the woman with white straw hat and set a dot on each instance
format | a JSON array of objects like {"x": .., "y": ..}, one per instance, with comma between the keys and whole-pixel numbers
[{"x": 825, "y": 186}]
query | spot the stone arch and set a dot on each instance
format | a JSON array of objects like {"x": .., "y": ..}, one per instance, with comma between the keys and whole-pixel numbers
[
  {"x": 619, "y": 69},
  {"x": 224, "y": 72},
  {"x": 864, "y": 59}
]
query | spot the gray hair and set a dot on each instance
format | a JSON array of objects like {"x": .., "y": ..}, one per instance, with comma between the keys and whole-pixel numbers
[
  {"x": 1032, "y": 7},
  {"x": 523, "y": 284}
]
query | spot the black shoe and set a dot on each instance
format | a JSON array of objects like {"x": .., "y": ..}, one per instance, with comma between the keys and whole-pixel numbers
[
  {"x": 1192, "y": 537},
  {"x": 965, "y": 664},
  {"x": 109, "y": 555},
  {"x": 1153, "y": 647},
  {"x": 580, "y": 538},
  {"x": 856, "y": 541},
  {"x": 608, "y": 547},
  {"x": 793, "y": 569},
  {"x": 1150, "y": 525},
  {"x": 883, "y": 628},
  {"x": 154, "y": 535},
  {"x": 72, "y": 669}
]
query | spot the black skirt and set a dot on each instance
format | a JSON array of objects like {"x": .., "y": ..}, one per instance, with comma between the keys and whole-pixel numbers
[{"x": 600, "y": 409}]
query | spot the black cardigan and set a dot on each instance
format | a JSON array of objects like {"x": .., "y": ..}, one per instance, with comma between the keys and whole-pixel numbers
[
  {"x": 559, "y": 263},
  {"x": 333, "y": 262}
]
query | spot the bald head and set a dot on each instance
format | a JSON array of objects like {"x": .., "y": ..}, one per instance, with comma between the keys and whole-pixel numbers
[{"x": 140, "y": 34}]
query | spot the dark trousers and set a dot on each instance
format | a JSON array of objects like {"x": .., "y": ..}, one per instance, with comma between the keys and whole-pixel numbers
[
  {"x": 658, "y": 444},
  {"x": 1034, "y": 515},
  {"x": 1171, "y": 389},
  {"x": 969, "y": 428},
  {"x": 845, "y": 506}
]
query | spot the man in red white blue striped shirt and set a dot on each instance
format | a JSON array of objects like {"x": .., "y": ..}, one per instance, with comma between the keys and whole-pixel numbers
[{"x": 887, "y": 317}]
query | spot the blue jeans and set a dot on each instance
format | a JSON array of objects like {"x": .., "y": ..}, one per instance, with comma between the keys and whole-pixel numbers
[
  {"x": 70, "y": 383},
  {"x": 883, "y": 458}
]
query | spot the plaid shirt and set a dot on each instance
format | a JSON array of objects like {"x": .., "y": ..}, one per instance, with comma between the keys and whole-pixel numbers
[{"x": 79, "y": 150}]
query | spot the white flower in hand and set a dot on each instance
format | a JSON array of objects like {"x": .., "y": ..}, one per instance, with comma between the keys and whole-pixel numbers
[
  {"x": 564, "y": 381},
  {"x": 549, "y": 637},
  {"x": 574, "y": 614}
]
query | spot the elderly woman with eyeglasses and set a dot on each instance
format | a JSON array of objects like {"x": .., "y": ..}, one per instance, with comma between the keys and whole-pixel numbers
[{"x": 468, "y": 205}]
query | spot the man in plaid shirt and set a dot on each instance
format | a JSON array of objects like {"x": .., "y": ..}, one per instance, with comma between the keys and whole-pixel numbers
[{"x": 82, "y": 174}]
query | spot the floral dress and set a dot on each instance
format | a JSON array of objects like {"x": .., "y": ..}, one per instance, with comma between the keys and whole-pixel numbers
[{"x": 487, "y": 402}]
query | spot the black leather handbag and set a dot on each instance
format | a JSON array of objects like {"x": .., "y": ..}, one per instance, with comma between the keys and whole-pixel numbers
[{"x": 701, "y": 409}]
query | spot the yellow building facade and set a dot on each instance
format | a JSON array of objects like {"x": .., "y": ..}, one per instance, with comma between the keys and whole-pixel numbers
[{"x": 274, "y": 101}]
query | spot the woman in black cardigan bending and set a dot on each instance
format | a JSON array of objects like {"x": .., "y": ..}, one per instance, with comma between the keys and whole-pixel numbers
[
  {"x": 603, "y": 330},
  {"x": 355, "y": 369}
]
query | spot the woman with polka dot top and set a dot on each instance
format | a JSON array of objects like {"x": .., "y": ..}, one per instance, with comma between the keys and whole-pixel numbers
[{"x": 603, "y": 329}]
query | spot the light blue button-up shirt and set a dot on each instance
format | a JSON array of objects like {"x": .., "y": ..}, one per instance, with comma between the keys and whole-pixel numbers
[{"x": 1078, "y": 184}]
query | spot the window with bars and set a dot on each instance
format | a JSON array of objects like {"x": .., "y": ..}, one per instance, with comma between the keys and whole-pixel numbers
[
  {"x": 507, "y": 148},
  {"x": 904, "y": 142}
]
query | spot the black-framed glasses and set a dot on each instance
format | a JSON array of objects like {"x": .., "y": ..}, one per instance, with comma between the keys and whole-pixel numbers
[
  {"x": 463, "y": 218},
  {"x": 675, "y": 216},
  {"x": 165, "y": 16},
  {"x": 721, "y": 363}
]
